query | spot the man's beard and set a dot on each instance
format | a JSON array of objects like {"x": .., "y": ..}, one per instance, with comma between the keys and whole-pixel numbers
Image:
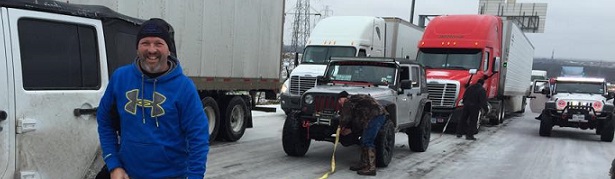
[{"x": 157, "y": 68}]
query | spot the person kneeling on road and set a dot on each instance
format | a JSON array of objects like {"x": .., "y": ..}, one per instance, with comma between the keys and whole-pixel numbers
[{"x": 362, "y": 114}]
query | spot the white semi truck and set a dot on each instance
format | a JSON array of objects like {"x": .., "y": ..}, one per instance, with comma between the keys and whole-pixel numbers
[
  {"x": 56, "y": 59},
  {"x": 348, "y": 36}
]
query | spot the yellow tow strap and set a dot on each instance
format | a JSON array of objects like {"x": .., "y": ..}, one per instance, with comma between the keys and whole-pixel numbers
[{"x": 337, "y": 139}]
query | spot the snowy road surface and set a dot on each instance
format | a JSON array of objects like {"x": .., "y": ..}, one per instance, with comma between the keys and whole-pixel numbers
[{"x": 513, "y": 150}]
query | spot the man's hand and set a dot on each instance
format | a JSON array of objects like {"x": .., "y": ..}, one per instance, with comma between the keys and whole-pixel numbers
[
  {"x": 346, "y": 131},
  {"x": 119, "y": 173}
]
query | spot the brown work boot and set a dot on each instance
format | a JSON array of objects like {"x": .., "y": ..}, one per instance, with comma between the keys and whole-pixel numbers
[
  {"x": 362, "y": 162},
  {"x": 370, "y": 168}
]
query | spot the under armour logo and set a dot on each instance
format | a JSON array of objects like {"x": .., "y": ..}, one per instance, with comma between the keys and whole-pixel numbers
[{"x": 134, "y": 102}]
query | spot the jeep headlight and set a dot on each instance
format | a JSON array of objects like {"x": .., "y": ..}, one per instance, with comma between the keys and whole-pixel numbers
[
  {"x": 561, "y": 104},
  {"x": 598, "y": 106},
  {"x": 309, "y": 99}
]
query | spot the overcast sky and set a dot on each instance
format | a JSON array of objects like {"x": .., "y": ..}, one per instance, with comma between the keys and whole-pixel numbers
[{"x": 574, "y": 29}]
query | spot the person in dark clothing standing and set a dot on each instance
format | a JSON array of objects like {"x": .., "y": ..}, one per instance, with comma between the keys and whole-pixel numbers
[
  {"x": 474, "y": 99},
  {"x": 362, "y": 114}
]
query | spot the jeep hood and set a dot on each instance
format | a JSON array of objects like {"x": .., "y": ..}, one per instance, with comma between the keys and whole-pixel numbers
[
  {"x": 579, "y": 97},
  {"x": 312, "y": 70},
  {"x": 375, "y": 92}
]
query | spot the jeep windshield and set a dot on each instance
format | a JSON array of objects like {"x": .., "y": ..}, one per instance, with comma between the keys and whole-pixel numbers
[
  {"x": 579, "y": 87},
  {"x": 362, "y": 72},
  {"x": 462, "y": 59},
  {"x": 322, "y": 54}
]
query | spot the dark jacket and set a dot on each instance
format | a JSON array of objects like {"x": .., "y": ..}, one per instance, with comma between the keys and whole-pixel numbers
[
  {"x": 475, "y": 96},
  {"x": 358, "y": 110}
]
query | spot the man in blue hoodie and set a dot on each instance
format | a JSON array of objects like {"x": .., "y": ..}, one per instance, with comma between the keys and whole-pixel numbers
[{"x": 164, "y": 130}]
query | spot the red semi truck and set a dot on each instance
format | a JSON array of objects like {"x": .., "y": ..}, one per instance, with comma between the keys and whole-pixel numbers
[{"x": 457, "y": 50}]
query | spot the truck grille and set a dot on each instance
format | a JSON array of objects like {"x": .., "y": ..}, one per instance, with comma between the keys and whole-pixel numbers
[
  {"x": 442, "y": 95},
  {"x": 300, "y": 84}
]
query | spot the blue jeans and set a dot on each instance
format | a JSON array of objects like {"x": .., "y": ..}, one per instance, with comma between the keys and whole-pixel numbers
[{"x": 371, "y": 131}]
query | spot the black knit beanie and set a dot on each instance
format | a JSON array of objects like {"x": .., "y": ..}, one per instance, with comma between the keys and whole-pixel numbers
[{"x": 156, "y": 27}]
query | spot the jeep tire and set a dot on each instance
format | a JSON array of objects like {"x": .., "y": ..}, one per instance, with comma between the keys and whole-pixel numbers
[
  {"x": 418, "y": 137},
  {"x": 606, "y": 134},
  {"x": 294, "y": 138},
  {"x": 546, "y": 125},
  {"x": 385, "y": 143},
  {"x": 599, "y": 127}
]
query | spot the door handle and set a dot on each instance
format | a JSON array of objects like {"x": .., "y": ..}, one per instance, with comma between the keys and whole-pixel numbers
[{"x": 79, "y": 111}]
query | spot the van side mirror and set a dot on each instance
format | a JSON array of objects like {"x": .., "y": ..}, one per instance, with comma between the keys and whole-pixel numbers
[{"x": 406, "y": 84}]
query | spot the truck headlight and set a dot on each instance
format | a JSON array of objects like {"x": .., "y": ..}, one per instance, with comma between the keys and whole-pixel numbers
[
  {"x": 309, "y": 99},
  {"x": 284, "y": 88}
]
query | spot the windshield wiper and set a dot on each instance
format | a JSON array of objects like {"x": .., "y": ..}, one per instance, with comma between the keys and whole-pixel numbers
[{"x": 456, "y": 67}]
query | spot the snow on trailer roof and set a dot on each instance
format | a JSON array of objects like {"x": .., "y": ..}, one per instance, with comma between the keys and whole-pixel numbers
[
  {"x": 80, "y": 10},
  {"x": 580, "y": 79}
]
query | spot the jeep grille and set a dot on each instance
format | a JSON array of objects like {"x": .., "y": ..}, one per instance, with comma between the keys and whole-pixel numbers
[
  {"x": 325, "y": 104},
  {"x": 442, "y": 95},
  {"x": 300, "y": 84}
]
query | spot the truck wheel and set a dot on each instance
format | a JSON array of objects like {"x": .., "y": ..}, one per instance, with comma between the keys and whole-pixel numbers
[
  {"x": 607, "y": 132},
  {"x": 418, "y": 137},
  {"x": 385, "y": 142},
  {"x": 480, "y": 113},
  {"x": 523, "y": 104},
  {"x": 499, "y": 118},
  {"x": 210, "y": 106},
  {"x": 234, "y": 124},
  {"x": 546, "y": 124},
  {"x": 599, "y": 127},
  {"x": 294, "y": 138}
]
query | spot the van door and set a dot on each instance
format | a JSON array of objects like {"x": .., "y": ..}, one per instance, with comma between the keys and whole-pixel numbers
[
  {"x": 60, "y": 74},
  {"x": 537, "y": 99},
  {"x": 7, "y": 115}
]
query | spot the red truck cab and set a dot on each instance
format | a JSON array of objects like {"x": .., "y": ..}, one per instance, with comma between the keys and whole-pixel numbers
[{"x": 456, "y": 51}]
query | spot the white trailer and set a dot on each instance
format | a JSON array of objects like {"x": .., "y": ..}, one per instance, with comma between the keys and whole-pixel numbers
[
  {"x": 516, "y": 64},
  {"x": 232, "y": 49},
  {"x": 56, "y": 59},
  {"x": 348, "y": 36},
  {"x": 402, "y": 38}
]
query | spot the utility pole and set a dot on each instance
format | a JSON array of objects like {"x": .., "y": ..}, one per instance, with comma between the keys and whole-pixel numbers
[{"x": 301, "y": 25}]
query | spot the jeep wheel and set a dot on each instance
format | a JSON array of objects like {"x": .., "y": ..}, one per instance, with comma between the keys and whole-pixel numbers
[
  {"x": 607, "y": 132},
  {"x": 546, "y": 124},
  {"x": 599, "y": 127},
  {"x": 294, "y": 138},
  {"x": 418, "y": 137},
  {"x": 385, "y": 142}
]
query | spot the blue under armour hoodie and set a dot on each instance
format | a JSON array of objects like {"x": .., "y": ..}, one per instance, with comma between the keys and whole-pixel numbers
[{"x": 164, "y": 131}]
